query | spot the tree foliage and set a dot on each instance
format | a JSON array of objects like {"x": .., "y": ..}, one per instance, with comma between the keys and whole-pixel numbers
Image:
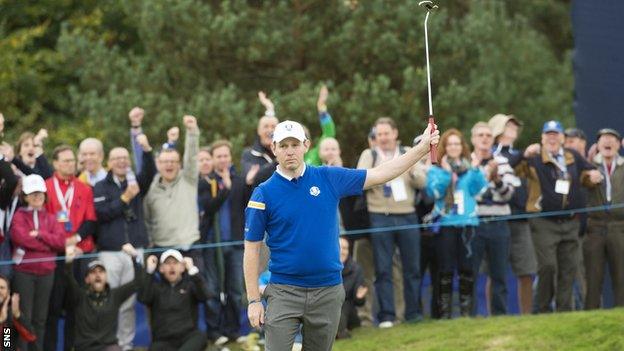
[{"x": 77, "y": 67}]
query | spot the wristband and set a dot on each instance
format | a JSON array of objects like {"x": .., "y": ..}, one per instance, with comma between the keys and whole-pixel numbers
[
  {"x": 269, "y": 113},
  {"x": 254, "y": 301}
]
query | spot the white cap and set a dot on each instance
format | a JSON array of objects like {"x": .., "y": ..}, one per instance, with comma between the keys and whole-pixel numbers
[
  {"x": 171, "y": 253},
  {"x": 33, "y": 183},
  {"x": 288, "y": 129}
]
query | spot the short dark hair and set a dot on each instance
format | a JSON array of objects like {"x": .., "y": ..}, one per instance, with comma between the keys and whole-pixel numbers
[
  {"x": 385, "y": 120},
  {"x": 220, "y": 143},
  {"x": 59, "y": 149}
]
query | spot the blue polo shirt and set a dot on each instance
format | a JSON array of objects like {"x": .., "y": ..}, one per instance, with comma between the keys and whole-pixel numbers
[{"x": 300, "y": 217}]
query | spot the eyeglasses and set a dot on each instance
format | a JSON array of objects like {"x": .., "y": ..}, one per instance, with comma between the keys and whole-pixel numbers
[{"x": 172, "y": 162}]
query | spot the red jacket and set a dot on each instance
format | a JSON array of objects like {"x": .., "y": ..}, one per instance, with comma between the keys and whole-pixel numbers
[
  {"x": 47, "y": 244},
  {"x": 82, "y": 207}
]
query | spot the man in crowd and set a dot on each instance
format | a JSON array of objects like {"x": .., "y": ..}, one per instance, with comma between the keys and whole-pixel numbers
[
  {"x": 492, "y": 237},
  {"x": 576, "y": 140},
  {"x": 97, "y": 305},
  {"x": 555, "y": 176},
  {"x": 223, "y": 221},
  {"x": 505, "y": 130},
  {"x": 259, "y": 158},
  {"x": 173, "y": 302},
  {"x": 91, "y": 153},
  {"x": 328, "y": 127},
  {"x": 305, "y": 286},
  {"x": 604, "y": 242},
  {"x": 390, "y": 205},
  {"x": 171, "y": 203},
  {"x": 119, "y": 208},
  {"x": 72, "y": 202}
]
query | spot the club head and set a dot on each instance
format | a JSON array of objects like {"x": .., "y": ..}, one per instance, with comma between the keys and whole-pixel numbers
[{"x": 429, "y": 5}]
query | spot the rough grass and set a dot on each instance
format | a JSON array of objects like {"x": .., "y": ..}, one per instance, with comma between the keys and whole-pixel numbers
[{"x": 601, "y": 330}]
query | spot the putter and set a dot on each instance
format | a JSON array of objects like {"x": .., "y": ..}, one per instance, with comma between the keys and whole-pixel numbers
[{"x": 430, "y": 6}]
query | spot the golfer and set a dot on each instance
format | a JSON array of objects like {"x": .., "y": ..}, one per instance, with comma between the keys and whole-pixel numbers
[{"x": 298, "y": 209}]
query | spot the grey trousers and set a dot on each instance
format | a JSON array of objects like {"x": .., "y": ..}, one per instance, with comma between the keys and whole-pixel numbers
[
  {"x": 34, "y": 291},
  {"x": 604, "y": 242},
  {"x": 557, "y": 249},
  {"x": 119, "y": 271},
  {"x": 289, "y": 307}
]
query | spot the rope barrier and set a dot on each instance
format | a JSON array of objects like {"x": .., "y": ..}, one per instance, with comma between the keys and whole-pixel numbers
[{"x": 561, "y": 213}]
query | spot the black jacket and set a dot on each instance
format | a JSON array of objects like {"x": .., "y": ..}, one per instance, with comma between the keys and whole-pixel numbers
[
  {"x": 8, "y": 182},
  {"x": 256, "y": 155},
  {"x": 97, "y": 313},
  {"x": 118, "y": 223},
  {"x": 173, "y": 307},
  {"x": 42, "y": 167},
  {"x": 211, "y": 204},
  {"x": 352, "y": 278}
]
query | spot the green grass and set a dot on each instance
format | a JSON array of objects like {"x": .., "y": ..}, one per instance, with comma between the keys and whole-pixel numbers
[{"x": 601, "y": 330}]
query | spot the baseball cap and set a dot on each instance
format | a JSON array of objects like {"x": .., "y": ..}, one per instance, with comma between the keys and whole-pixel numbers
[
  {"x": 575, "y": 133},
  {"x": 552, "y": 126},
  {"x": 95, "y": 263},
  {"x": 288, "y": 129},
  {"x": 171, "y": 253},
  {"x": 608, "y": 131},
  {"x": 498, "y": 121},
  {"x": 33, "y": 183}
]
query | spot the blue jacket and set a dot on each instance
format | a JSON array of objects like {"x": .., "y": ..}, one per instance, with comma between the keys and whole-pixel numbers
[
  {"x": 118, "y": 223},
  {"x": 468, "y": 186}
]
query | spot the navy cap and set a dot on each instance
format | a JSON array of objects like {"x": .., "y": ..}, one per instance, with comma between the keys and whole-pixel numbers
[
  {"x": 552, "y": 126},
  {"x": 575, "y": 133}
]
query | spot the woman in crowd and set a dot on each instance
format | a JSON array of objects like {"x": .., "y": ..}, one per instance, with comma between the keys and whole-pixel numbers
[
  {"x": 453, "y": 184},
  {"x": 35, "y": 234}
]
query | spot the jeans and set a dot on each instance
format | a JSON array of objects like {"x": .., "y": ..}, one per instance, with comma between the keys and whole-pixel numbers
[
  {"x": 492, "y": 241},
  {"x": 222, "y": 316},
  {"x": 408, "y": 242}
]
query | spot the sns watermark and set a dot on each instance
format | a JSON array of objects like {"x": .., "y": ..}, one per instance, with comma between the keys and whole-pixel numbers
[{"x": 7, "y": 339}]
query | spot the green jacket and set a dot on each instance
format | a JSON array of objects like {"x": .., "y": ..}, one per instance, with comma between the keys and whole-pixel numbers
[{"x": 328, "y": 129}]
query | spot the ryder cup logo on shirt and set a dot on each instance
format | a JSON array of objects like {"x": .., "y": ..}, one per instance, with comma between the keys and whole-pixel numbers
[{"x": 315, "y": 191}]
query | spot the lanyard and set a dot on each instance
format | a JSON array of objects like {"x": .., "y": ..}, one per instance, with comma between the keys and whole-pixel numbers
[
  {"x": 608, "y": 173},
  {"x": 65, "y": 201},
  {"x": 10, "y": 212},
  {"x": 36, "y": 219},
  {"x": 562, "y": 167}
]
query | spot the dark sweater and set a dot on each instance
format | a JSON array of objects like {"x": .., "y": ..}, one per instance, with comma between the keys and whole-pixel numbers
[
  {"x": 97, "y": 313},
  {"x": 173, "y": 307}
]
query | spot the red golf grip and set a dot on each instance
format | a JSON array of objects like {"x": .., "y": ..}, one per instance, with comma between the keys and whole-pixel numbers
[{"x": 433, "y": 149}]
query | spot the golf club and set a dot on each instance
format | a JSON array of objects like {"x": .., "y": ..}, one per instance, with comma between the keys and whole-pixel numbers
[{"x": 430, "y": 6}]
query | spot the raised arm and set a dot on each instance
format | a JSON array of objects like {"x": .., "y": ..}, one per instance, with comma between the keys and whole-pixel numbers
[
  {"x": 393, "y": 168},
  {"x": 191, "y": 149}
]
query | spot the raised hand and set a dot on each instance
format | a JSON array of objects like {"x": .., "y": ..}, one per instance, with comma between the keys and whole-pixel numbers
[
  {"x": 266, "y": 102},
  {"x": 429, "y": 138},
  {"x": 321, "y": 103},
  {"x": 188, "y": 263},
  {"x": 136, "y": 116},
  {"x": 129, "y": 249},
  {"x": 251, "y": 175},
  {"x": 173, "y": 134},
  {"x": 190, "y": 122},
  {"x": 144, "y": 142},
  {"x": 532, "y": 150},
  {"x": 15, "y": 306},
  {"x": 151, "y": 263}
]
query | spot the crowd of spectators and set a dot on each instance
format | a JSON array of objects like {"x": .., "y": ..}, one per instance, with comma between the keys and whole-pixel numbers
[{"x": 88, "y": 235}]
